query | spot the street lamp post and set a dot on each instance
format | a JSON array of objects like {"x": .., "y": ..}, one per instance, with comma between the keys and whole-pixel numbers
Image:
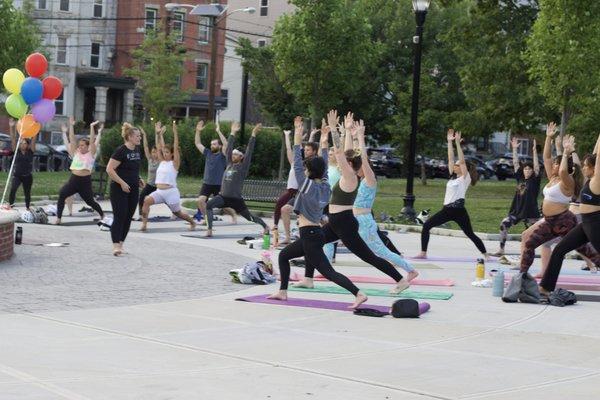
[{"x": 420, "y": 7}]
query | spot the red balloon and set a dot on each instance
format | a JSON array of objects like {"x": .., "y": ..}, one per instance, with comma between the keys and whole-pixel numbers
[
  {"x": 36, "y": 65},
  {"x": 52, "y": 87}
]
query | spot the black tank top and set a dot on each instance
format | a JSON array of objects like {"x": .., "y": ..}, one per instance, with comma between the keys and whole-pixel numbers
[
  {"x": 23, "y": 163},
  {"x": 587, "y": 197},
  {"x": 341, "y": 198}
]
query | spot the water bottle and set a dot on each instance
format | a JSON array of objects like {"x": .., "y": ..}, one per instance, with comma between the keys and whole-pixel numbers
[
  {"x": 19, "y": 235},
  {"x": 480, "y": 270},
  {"x": 498, "y": 287},
  {"x": 266, "y": 241}
]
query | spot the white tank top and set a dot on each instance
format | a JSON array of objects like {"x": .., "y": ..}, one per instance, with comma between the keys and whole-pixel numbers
[
  {"x": 166, "y": 174},
  {"x": 555, "y": 195},
  {"x": 292, "y": 182}
]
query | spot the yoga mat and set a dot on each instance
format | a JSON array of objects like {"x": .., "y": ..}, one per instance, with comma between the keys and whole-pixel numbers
[
  {"x": 383, "y": 280},
  {"x": 322, "y": 304},
  {"x": 216, "y": 235},
  {"x": 588, "y": 297},
  {"x": 563, "y": 271},
  {"x": 450, "y": 259},
  {"x": 406, "y": 294},
  {"x": 351, "y": 263},
  {"x": 78, "y": 223},
  {"x": 590, "y": 280}
]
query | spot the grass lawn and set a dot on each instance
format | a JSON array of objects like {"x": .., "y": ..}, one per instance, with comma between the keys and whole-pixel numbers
[{"x": 487, "y": 202}]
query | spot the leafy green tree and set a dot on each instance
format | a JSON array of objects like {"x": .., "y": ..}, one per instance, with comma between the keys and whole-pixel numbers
[
  {"x": 20, "y": 35},
  {"x": 563, "y": 52},
  {"x": 157, "y": 66}
]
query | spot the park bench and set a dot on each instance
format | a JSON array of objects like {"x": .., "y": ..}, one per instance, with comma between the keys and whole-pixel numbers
[{"x": 263, "y": 191}]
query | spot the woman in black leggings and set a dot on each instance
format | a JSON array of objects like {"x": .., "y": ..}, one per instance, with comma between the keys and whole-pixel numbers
[
  {"x": 589, "y": 228},
  {"x": 22, "y": 173},
  {"x": 454, "y": 209},
  {"x": 342, "y": 224},
  {"x": 124, "y": 171},
  {"x": 83, "y": 153},
  {"x": 313, "y": 194}
]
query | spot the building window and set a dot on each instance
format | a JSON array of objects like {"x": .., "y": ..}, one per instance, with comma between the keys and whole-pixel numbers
[
  {"x": 95, "y": 55},
  {"x": 151, "y": 14},
  {"x": 264, "y": 8},
  {"x": 61, "y": 51},
  {"x": 59, "y": 103},
  {"x": 64, "y": 5},
  {"x": 261, "y": 42},
  {"x": 178, "y": 20},
  {"x": 98, "y": 8},
  {"x": 41, "y": 5},
  {"x": 204, "y": 30},
  {"x": 201, "y": 74}
]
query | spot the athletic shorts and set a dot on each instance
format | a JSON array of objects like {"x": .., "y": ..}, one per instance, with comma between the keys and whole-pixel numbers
[
  {"x": 208, "y": 190},
  {"x": 239, "y": 205},
  {"x": 170, "y": 197}
]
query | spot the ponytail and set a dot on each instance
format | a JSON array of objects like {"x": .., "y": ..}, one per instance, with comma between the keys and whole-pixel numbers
[
  {"x": 472, "y": 168},
  {"x": 127, "y": 130}
]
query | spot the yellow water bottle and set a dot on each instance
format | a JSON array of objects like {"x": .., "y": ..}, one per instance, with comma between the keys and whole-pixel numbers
[{"x": 480, "y": 270}]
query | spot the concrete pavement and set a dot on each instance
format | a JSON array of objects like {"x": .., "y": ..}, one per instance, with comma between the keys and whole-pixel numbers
[{"x": 160, "y": 323}]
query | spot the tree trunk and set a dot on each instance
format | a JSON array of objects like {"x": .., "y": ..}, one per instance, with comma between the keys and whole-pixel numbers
[
  {"x": 564, "y": 120},
  {"x": 423, "y": 172}
]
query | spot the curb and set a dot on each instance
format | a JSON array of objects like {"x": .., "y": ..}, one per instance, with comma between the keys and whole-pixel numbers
[{"x": 445, "y": 232}]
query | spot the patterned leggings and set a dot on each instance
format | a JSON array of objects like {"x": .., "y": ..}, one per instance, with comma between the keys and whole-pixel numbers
[
  {"x": 552, "y": 227},
  {"x": 509, "y": 221}
]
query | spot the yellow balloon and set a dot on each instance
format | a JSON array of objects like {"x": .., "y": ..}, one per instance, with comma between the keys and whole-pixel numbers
[{"x": 13, "y": 79}]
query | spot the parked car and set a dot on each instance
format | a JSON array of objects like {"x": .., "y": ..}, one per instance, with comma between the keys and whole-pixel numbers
[
  {"x": 385, "y": 162},
  {"x": 484, "y": 170},
  {"x": 503, "y": 165},
  {"x": 48, "y": 159}
]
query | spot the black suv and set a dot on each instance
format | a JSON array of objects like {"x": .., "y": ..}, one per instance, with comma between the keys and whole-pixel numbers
[{"x": 385, "y": 162}]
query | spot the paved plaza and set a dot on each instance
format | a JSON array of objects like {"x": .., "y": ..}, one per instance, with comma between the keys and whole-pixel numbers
[{"x": 161, "y": 322}]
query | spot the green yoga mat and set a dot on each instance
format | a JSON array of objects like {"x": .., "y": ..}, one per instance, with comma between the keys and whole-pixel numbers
[{"x": 407, "y": 294}]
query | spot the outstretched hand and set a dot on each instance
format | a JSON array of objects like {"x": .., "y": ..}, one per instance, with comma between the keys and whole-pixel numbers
[
  {"x": 332, "y": 119},
  {"x": 457, "y": 137},
  {"x": 514, "y": 143},
  {"x": 298, "y": 124},
  {"x": 450, "y": 135},
  {"x": 94, "y": 123},
  {"x": 551, "y": 129},
  {"x": 287, "y": 132},
  {"x": 568, "y": 144},
  {"x": 157, "y": 127},
  {"x": 359, "y": 130},
  {"x": 349, "y": 120},
  {"x": 235, "y": 127},
  {"x": 64, "y": 128},
  {"x": 200, "y": 126},
  {"x": 11, "y": 122},
  {"x": 256, "y": 129}
]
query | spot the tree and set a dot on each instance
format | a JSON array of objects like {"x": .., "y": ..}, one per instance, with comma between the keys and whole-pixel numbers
[
  {"x": 563, "y": 52},
  {"x": 320, "y": 51},
  {"x": 20, "y": 35},
  {"x": 157, "y": 66}
]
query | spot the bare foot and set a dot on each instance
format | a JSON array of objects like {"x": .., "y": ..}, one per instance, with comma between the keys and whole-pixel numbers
[
  {"x": 305, "y": 283},
  {"x": 234, "y": 219},
  {"x": 544, "y": 292},
  {"x": 412, "y": 275},
  {"x": 209, "y": 233},
  {"x": 400, "y": 286},
  {"x": 499, "y": 253},
  {"x": 57, "y": 222},
  {"x": 117, "y": 251},
  {"x": 421, "y": 256},
  {"x": 360, "y": 298},
  {"x": 281, "y": 295},
  {"x": 144, "y": 227},
  {"x": 192, "y": 225},
  {"x": 487, "y": 256}
]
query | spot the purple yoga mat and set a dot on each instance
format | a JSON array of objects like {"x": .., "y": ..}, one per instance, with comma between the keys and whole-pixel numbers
[
  {"x": 450, "y": 259},
  {"x": 322, "y": 304}
]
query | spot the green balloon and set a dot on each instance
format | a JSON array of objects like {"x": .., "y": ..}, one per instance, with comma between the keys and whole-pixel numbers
[{"x": 16, "y": 106}]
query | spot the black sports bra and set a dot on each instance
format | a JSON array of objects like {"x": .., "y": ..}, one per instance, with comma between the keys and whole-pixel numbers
[{"x": 588, "y": 197}]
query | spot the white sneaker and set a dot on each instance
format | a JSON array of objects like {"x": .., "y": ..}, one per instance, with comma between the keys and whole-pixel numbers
[{"x": 107, "y": 221}]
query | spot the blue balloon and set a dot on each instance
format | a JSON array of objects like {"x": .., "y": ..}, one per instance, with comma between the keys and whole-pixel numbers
[{"x": 32, "y": 90}]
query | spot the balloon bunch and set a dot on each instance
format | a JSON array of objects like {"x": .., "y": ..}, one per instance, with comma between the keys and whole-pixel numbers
[{"x": 31, "y": 91}]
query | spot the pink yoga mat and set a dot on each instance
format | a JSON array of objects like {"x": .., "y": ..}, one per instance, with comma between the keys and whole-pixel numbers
[
  {"x": 322, "y": 304},
  {"x": 380, "y": 279}
]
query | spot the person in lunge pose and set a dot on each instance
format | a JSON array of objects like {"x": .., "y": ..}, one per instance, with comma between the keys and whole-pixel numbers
[
  {"x": 166, "y": 179},
  {"x": 462, "y": 176},
  {"x": 22, "y": 172},
  {"x": 83, "y": 153},
  {"x": 151, "y": 154},
  {"x": 238, "y": 166},
  {"x": 524, "y": 205},
  {"x": 342, "y": 224},
  {"x": 312, "y": 196},
  {"x": 215, "y": 162},
  {"x": 124, "y": 171},
  {"x": 587, "y": 231}
]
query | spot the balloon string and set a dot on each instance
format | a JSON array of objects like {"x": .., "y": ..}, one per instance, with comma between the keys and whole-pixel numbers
[{"x": 12, "y": 164}]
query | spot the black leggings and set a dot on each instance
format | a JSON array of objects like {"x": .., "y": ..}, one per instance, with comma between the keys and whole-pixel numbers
[
  {"x": 388, "y": 242},
  {"x": 310, "y": 245},
  {"x": 587, "y": 231},
  {"x": 81, "y": 185},
  {"x": 145, "y": 192},
  {"x": 237, "y": 204},
  {"x": 344, "y": 226},
  {"x": 456, "y": 214},
  {"x": 123, "y": 205},
  {"x": 27, "y": 181}
]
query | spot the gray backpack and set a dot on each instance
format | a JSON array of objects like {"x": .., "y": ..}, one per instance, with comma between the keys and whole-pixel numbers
[{"x": 523, "y": 288}]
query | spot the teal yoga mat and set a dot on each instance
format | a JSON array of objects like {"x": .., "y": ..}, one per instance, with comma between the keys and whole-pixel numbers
[{"x": 407, "y": 294}]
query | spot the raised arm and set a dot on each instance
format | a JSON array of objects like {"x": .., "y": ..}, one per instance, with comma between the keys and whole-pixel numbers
[
  {"x": 297, "y": 163},
  {"x": 345, "y": 167},
  {"x": 159, "y": 130},
  {"x": 222, "y": 138},
  {"x": 145, "y": 143},
  {"x": 99, "y": 135},
  {"x": 566, "y": 180},
  {"x": 235, "y": 127},
  {"x": 324, "y": 138},
  {"x": 595, "y": 181},
  {"x": 368, "y": 173},
  {"x": 536, "y": 161},
  {"x": 32, "y": 143},
  {"x": 65, "y": 139},
  {"x": 72, "y": 141},
  {"x": 461, "y": 157},
  {"x": 547, "y": 155},
  {"x": 348, "y": 125},
  {"x": 514, "y": 144},
  {"x": 197, "y": 141},
  {"x": 93, "y": 138},
  {"x": 13, "y": 136},
  {"x": 313, "y": 135},
  {"x": 288, "y": 147},
  {"x": 450, "y": 139},
  {"x": 176, "y": 153},
  {"x": 250, "y": 149}
]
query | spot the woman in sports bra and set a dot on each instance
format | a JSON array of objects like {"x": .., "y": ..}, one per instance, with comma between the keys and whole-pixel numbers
[
  {"x": 564, "y": 183},
  {"x": 83, "y": 153},
  {"x": 342, "y": 223},
  {"x": 587, "y": 231},
  {"x": 166, "y": 179}
]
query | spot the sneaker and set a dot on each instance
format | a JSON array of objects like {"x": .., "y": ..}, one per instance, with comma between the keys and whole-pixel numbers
[{"x": 106, "y": 221}]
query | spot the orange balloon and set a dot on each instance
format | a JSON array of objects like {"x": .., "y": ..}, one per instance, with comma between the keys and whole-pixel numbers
[{"x": 28, "y": 127}]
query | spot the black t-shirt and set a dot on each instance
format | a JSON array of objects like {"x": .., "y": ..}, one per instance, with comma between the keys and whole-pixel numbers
[
  {"x": 129, "y": 169},
  {"x": 23, "y": 163},
  {"x": 524, "y": 204}
]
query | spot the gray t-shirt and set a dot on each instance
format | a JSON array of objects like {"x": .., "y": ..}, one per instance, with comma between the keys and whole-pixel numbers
[
  {"x": 235, "y": 174},
  {"x": 152, "y": 167},
  {"x": 312, "y": 195},
  {"x": 214, "y": 166}
]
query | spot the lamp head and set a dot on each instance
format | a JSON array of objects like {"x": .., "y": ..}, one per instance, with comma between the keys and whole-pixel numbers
[
  {"x": 249, "y": 10},
  {"x": 421, "y": 5}
]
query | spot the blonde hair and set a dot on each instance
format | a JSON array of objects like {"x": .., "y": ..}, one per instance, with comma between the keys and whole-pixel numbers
[{"x": 127, "y": 130}]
